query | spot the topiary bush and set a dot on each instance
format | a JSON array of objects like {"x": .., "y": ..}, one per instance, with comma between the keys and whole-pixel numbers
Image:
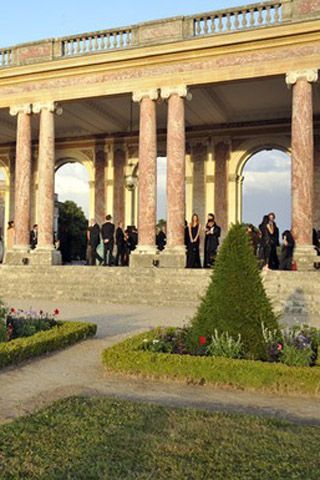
[{"x": 236, "y": 301}]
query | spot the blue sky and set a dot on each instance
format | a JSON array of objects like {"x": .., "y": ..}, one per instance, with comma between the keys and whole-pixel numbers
[{"x": 27, "y": 20}]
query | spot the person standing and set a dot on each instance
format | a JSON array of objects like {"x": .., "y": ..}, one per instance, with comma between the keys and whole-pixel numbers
[
  {"x": 93, "y": 237},
  {"x": 107, "y": 232},
  {"x": 161, "y": 238},
  {"x": 193, "y": 253},
  {"x": 34, "y": 237},
  {"x": 11, "y": 234},
  {"x": 120, "y": 242},
  {"x": 264, "y": 249},
  {"x": 211, "y": 242},
  {"x": 273, "y": 233},
  {"x": 287, "y": 249}
]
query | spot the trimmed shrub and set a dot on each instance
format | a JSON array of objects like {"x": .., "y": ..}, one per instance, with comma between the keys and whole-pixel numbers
[
  {"x": 61, "y": 336},
  {"x": 236, "y": 301},
  {"x": 127, "y": 358}
]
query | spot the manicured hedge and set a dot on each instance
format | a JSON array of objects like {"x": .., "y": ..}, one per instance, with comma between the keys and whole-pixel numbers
[
  {"x": 61, "y": 336},
  {"x": 126, "y": 358}
]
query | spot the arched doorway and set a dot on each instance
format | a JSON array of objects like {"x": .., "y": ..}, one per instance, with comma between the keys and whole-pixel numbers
[
  {"x": 72, "y": 209},
  {"x": 266, "y": 187}
]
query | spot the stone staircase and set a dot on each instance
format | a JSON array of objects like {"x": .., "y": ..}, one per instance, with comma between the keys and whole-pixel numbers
[{"x": 296, "y": 295}]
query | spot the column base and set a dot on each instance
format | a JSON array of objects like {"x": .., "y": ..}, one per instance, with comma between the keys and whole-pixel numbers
[
  {"x": 17, "y": 256},
  {"x": 306, "y": 258},
  {"x": 44, "y": 256},
  {"x": 144, "y": 257},
  {"x": 173, "y": 258}
]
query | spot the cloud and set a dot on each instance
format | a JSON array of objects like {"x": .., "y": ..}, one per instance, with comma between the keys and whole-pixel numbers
[{"x": 71, "y": 183}]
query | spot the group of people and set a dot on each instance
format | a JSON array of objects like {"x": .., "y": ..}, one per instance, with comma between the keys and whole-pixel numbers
[
  {"x": 125, "y": 241},
  {"x": 265, "y": 242}
]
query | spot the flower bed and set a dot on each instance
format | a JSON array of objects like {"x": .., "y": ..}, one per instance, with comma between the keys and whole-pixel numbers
[
  {"x": 132, "y": 357},
  {"x": 58, "y": 337},
  {"x": 27, "y": 334}
]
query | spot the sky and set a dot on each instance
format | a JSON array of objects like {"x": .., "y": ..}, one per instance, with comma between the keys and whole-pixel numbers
[{"x": 267, "y": 175}]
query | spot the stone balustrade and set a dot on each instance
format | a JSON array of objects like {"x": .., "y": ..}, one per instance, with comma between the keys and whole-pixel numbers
[
  {"x": 97, "y": 42},
  {"x": 239, "y": 18},
  {"x": 6, "y": 57},
  {"x": 249, "y": 17}
]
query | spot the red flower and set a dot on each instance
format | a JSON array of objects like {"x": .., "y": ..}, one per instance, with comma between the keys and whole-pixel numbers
[
  {"x": 202, "y": 340},
  {"x": 41, "y": 312},
  {"x": 56, "y": 312},
  {"x": 279, "y": 347},
  {"x": 12, "y": 310}
]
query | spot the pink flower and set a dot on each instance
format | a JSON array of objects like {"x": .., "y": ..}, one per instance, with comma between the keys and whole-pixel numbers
[
  {"x": 13, "y": 310},
  {"x": 56, "y": 312},
  {"x": 202, "y": 340},
  {"x": 279, "y": 347}
]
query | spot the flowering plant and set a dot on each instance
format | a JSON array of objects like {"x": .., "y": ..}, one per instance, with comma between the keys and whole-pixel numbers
[
  {"x": 21, "y": 323},
  {"x": 168, "y": 341},
  {"x": 225, "y": 346}
]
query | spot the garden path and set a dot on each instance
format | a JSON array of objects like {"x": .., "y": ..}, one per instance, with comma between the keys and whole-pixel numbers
[{"x": 78, "y": 370}]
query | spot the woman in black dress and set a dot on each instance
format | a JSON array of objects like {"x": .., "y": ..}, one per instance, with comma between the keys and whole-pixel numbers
[
  {"x": 264, "y": 246},
  {"x": 273, "y": 232},
  {"x": 193, "y": 253},
  {"x": 286, "y": 255}
]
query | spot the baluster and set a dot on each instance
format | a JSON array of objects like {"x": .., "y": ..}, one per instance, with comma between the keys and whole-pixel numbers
[
  {"x": 252, "y": 20},
  {"x": 244, "y": 18},
  {"x": 115, "y": 40},
  {"x": 96, "y": 43},
  {"x": 83, "y": 45},
  {"x": 129, "y": 39},
  {"x": 205, "y": 26},
  {"x": 71, "y": 47},
  {"x": 228, "y": 22},
  {"x": 260, "y": 16},
  {"x": 220, "y": 23},
  {"x": 108, "y": 41},
  {"x": 268, "y": 16},
  {"x": 78, "y": 48},
  {"x": 198, "y": 24},
  {"x": 121, "y": 39},
  {"x": 236, "y": 20},
  {"x": 90, "y": 46},
  {"x": 277, "y": 13}
]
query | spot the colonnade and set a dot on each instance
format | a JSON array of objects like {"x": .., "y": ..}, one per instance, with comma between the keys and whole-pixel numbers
[{"x": 302, "y": 173}]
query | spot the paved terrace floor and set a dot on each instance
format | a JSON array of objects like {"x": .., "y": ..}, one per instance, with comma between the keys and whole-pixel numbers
[{"x": 78, "y": 370}]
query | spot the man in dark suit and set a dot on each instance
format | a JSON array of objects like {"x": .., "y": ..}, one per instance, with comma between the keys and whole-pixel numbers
[
  {"x": 107, "y": 232},
  {"x": 93, "y": 242},
  {"x": 34, "y": 237}
]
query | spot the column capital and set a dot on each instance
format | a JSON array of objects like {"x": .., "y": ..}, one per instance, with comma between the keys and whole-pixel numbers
[
  {"x": 152, "y": 93},
  {"x": 180, "y": 90},
  {"x": 25, "y": 108},
  {"x": 310, "y": 75},
  {"x": 226, "y": 140},
  {"x": 51, "y": 106}
]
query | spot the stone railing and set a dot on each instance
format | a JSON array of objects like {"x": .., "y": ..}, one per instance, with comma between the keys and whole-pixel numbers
[
  {"x": 250, "y": 17},
  {"x": 96, "y": 42},
  {"x": 239, "y": 18},
  {"x": 6, "y": 57}
]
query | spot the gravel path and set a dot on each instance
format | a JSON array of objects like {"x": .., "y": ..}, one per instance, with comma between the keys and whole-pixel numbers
[{"x": 78, "y": 371}]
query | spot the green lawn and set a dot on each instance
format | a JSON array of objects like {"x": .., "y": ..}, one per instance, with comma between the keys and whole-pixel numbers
[{"x": 99, "y": 438}]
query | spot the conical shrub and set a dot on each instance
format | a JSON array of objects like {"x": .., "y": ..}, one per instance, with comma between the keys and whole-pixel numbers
[{"x": 236, "y": 301}]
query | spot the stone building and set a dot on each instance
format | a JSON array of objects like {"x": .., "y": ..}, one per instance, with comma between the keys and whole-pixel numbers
[{"x": 207, "y": 91}]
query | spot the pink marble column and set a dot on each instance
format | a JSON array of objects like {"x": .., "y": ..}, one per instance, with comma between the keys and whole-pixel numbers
[
  {"x": 316, "y": 196},
  {"x": 222, "y": 155},
  {"x": 118, "y": 202},
  {"x": 46, "y": 174},
  {"x": 176, "y": 170},
  {"x": 22, "y": 176},
  {"x": 302, "y": 155},
  {"x": 100, "y": 185},
  {"x": 147, "y": 194}
]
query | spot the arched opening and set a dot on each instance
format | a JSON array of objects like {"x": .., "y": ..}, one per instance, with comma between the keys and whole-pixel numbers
[
  {"x": 72, "y": 209},
  {"x": 266, "y": 177}
]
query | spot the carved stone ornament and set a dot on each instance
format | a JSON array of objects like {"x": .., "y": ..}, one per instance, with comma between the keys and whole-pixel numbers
[{"x": 311, "y": 75}]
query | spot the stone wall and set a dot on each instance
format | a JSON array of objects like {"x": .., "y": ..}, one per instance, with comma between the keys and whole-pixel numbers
[{"x": 294, "y": 294}]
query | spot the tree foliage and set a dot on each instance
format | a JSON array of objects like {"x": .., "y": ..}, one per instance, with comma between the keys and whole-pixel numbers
[
  {"x": 72, "y": 231},
  {"x": 236, "y": 301}
]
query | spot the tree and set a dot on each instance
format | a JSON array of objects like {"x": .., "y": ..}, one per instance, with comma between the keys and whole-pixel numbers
[
  {"x": 236, "y": 301},
  {"x": 72, "y": 231}
]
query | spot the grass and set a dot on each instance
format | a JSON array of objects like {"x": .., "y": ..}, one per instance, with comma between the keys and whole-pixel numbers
[
  {"x": 61, "y": 336},
  {"x": 98, "y": 438},
  {"x": 126, "y": 358}
]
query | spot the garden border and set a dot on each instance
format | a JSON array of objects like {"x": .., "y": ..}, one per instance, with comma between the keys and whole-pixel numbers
[
  {"x": 126, "y": 358},
  {"x": 61, "y": 336}
]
